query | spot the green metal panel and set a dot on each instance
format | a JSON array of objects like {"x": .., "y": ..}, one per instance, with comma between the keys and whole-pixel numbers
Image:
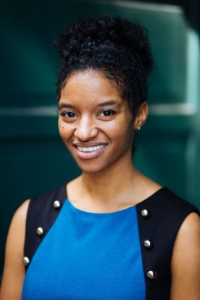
[
  {"x": 33, "y": 158},
  {"x": 28, "y": 50}
]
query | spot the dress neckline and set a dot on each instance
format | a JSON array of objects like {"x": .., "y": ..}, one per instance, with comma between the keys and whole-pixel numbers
[{"x": 143, "y": 202}]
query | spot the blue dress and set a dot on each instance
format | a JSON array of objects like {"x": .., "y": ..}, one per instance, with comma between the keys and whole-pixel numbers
[
  {"x": 88, "y": 256},
  {"x": 92, "y": 256}
]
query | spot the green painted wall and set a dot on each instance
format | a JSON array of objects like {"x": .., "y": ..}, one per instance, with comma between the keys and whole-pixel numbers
[{"x": 33, "y": 158}]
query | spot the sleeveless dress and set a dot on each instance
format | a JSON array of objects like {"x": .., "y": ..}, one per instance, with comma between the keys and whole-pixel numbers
[{"x": 92, "y": 256}]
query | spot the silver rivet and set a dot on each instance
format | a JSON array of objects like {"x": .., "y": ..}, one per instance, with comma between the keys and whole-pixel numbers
[
  {"x": 40, "y": 231},
  {"x": 57, "y": 204},
  {"x": 144, "y": 213},
  {"x": 147, "y": 244},
  {"x": 26, "y": 261},
  {"x": 151, "y": 274}
]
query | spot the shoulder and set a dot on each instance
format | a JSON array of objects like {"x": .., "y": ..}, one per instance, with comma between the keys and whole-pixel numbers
[
  {"x": 165, "y": 202},
  {"x": 186, "y": 261},
  {"x": 171, "y": 211},
  {"x": 165, "y": 215},
  {"x": 16, "y": 234},
  {"x": 16, "y": 231},
  {"x": 166, "y": 220},
  {"x": 178, "y": 209},
  {"x": 14, "y": 271},
  {"x": 22, "y": 210},
  {"x": 17, "y": 226},
  {"x": 188, "y": 232},
  {"x": 165, "y": 205},
  {"x": 45, "y": 198},
  {"x": 188, "y": 238}
]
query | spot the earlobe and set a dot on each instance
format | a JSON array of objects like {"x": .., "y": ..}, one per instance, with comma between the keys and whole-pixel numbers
[{"x": 141, "y": 115}]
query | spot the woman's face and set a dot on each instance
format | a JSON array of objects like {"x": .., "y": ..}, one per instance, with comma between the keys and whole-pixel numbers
[{"x": 95, "y": 123}]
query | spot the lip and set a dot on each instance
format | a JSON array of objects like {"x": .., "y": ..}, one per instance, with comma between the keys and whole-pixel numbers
[
  {"x": 88, "y": 144},
  {"x": 90, "y": 151}
]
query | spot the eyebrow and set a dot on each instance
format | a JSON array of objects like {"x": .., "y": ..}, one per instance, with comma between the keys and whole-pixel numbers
[
  {"x": 105, "y": 103},
  {"x": 109, "y": 102},
  {"x": 65, "y": 105}
]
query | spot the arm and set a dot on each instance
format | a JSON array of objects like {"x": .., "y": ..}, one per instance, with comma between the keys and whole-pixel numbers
[
  {"x": 186, "y": 261},
  {"x": 14, "y": 270}
]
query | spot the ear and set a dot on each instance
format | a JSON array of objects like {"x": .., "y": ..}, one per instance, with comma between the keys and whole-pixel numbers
[{"x": 141, "y": 116}]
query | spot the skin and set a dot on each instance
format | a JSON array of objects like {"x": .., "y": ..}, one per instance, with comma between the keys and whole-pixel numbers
[
  {"x": 93, "y": 114},
  {"x": 13, "y": 275}
]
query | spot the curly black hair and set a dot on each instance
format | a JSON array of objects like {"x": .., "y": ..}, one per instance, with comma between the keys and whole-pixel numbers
[{"x": 117, "y": 47}]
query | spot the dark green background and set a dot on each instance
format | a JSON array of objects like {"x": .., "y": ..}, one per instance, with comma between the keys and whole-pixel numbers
[{"x": 33, "y": 158}]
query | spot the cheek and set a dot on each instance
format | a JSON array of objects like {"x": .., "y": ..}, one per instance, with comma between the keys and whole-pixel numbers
[
  {"x": 64, "y": 130},
  {"x": 61, "y": 127},
  {"x": 62, "y": 134},
  {"x": 124, "y": 134},
  {"x": 121, "y": 129}
]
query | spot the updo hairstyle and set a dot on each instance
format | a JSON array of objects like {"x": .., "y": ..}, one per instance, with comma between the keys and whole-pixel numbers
[{"x": 115, "y": 46}]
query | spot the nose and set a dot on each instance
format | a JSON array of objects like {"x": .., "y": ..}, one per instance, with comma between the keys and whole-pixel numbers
[{"x": 86, "y": 129}]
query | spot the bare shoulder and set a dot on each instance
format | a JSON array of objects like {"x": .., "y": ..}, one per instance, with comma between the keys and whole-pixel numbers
[
  {"x": 14, "y": 271},
  {"x": 186, "y": 260},
  {"x": 21, "y": 212},
  {"x": 188, "y": 232},
  {"x": 191, "y": 225},
  {"x": 17, "y": 226}
]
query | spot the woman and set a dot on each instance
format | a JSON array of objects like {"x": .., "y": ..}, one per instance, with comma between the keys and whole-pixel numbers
[{"x": 118, "y": 235}]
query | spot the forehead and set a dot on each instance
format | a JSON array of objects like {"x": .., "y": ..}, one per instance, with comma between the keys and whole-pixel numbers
[{"x": 89, "y": 84}]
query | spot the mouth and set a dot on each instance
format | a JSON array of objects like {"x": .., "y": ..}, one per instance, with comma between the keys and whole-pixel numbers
[
  {"x": 89, "y": 152},
  {"x": 90, "y": 149}
]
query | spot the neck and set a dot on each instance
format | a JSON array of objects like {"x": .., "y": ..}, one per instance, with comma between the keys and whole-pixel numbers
[
  {"x": 113, "y": 189},
  {"x": 110, "y": 185}
]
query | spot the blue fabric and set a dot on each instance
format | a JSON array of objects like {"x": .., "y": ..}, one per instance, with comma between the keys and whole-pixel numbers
[{"x": 88, "y": 256}]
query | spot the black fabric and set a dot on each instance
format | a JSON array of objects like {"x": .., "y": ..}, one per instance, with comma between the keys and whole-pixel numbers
[
  {"x": 166, "y": 213},
  {"x": 41, "y": 213}
]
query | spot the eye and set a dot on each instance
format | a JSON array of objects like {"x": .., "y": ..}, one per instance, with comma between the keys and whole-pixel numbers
[
  {"x": 107, "y": 113},
  {"x": 68, "y": 114}
]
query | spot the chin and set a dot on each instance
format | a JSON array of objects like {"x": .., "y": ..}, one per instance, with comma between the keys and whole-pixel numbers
[
  {"x": 91, "y": 167},
  {"x": 91, "y": 170}
]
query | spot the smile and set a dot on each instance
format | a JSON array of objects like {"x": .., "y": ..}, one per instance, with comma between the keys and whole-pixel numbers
[{"x": 90, "y": 149}]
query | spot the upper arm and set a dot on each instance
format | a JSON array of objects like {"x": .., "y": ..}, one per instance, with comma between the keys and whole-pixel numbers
[
  {"x": 186, "y": 261},
  {"x": 14, "y": 271}
]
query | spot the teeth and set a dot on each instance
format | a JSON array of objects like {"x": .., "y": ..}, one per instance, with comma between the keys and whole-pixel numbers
[{"x": 89, "y": 149}]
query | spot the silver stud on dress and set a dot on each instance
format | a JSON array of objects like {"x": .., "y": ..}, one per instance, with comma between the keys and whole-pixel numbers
[
  {"x": 26, "y": 261},
  {"x": 148, "y": 244},
  {"x": 56, "y": 204},
  {"x": 144, "y": 213},
  {"x": 151, "y": 274},
  {"x": 40, "y": 231}
]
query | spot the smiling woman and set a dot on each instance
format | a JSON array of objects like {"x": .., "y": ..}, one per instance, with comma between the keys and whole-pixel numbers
[
  {"x": 106, "y": 234},
  {"x": 95, "y": 123}
]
